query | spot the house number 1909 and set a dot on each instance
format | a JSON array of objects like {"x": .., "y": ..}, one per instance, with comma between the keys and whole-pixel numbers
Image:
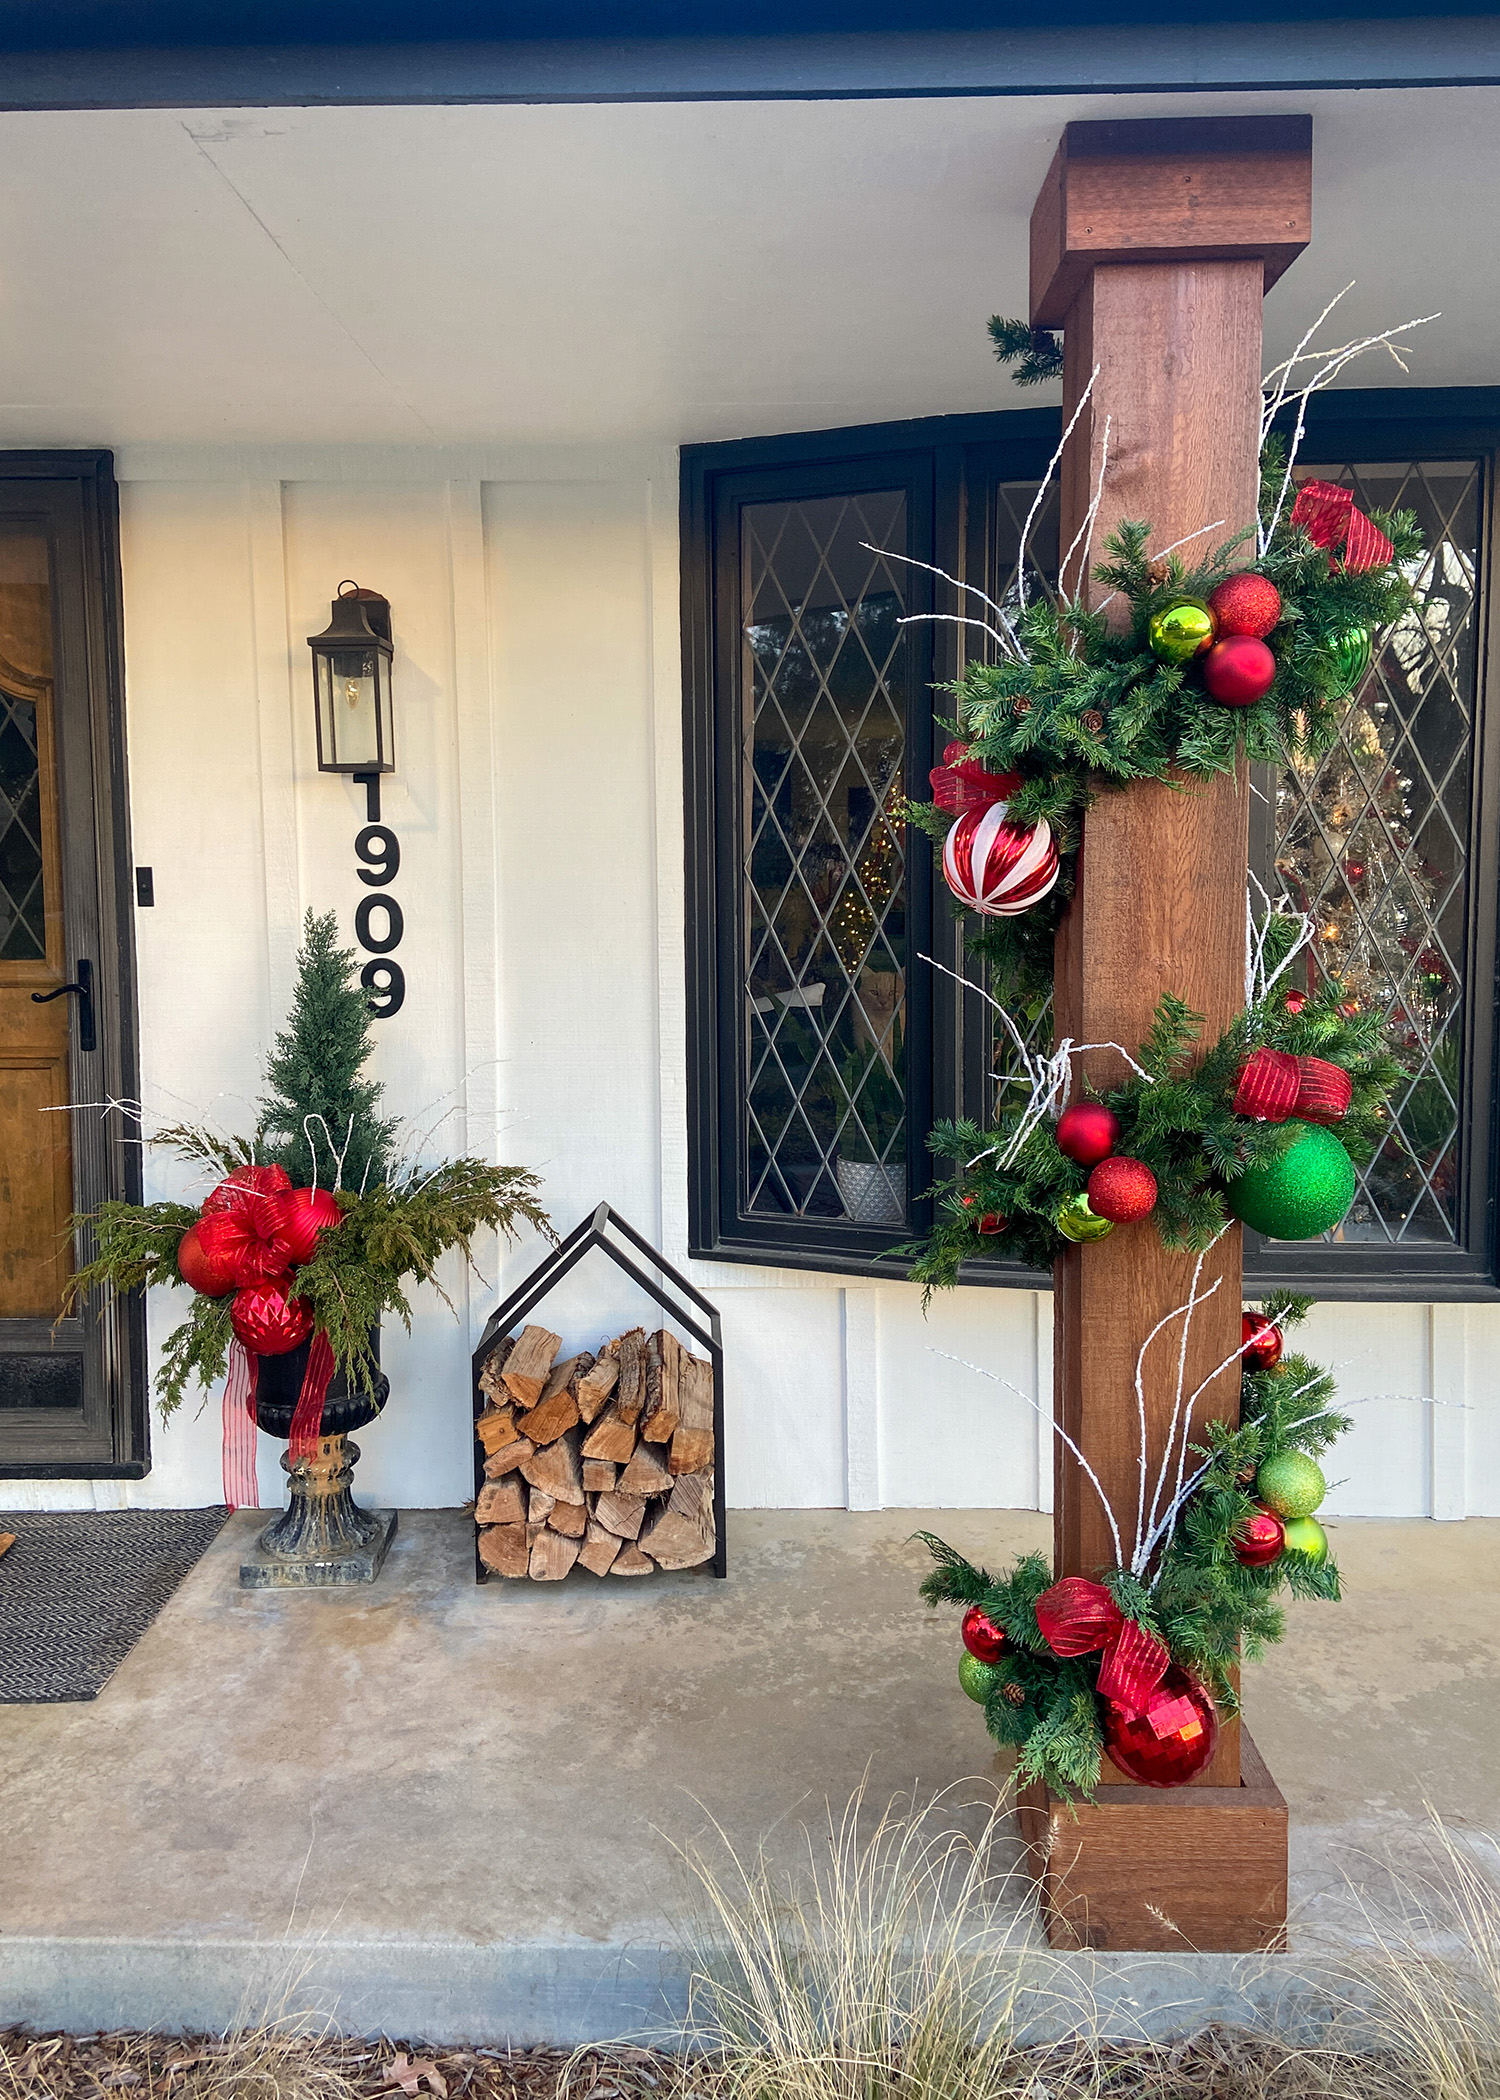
[{"x": 378, "y": 924}]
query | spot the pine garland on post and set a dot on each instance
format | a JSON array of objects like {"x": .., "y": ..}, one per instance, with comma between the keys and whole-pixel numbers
[{"x": 318, "y": 1116}]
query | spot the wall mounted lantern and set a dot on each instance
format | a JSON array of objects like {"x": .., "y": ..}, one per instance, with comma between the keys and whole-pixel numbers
[{"x": 352, "y": 685}]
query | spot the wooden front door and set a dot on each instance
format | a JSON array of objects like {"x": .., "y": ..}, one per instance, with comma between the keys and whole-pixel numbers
[{"x": 70, "y": 1399}]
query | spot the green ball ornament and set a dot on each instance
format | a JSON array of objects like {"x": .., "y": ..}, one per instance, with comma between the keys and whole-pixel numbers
[
  {"x": 1076, "y": 1221},
  {"x": 1292, "y": 1484},
  {"x": 1181, "y": 631},
  {"x": 1306, "y": 1535},
  {"x": 1351, "y": 658},
  {"x": 1304, "y": 1192},
  {"x": 978, "y": 1679}
]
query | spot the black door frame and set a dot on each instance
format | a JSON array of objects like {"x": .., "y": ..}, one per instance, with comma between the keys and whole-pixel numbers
[{"x": 77, "y": 502}]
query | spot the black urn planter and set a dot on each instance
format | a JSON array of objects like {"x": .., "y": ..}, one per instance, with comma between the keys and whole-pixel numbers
[{"x": 322, "y": 1539}]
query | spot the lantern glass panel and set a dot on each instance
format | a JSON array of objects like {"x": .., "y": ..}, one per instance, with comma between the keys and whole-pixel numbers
[{"x": 349, "y": 707}]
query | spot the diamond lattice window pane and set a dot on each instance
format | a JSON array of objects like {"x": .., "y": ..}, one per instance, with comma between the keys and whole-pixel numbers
[
  {"x": 23, "y": 916},
  {"x": 824, "y": 671}
]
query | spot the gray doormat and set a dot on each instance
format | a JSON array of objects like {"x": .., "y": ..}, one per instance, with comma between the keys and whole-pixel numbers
[{"x": 79, "y": 1588}]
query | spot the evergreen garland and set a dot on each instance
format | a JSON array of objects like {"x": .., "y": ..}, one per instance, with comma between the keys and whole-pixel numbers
[{"x": 318, "y": 1116}]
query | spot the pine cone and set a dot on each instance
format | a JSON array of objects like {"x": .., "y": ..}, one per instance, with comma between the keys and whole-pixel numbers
[
  {"x": 1093, "y": 722},
  {"x": 1158, "y": 571},
  {"x": 1013, "y": 1695},
  {"x": 1245, "y": 1477},
  {"x": 1021, "y": 707}
]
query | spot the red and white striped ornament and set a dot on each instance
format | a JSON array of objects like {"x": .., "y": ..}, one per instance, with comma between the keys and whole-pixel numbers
[{"x": 996, "y": 867}]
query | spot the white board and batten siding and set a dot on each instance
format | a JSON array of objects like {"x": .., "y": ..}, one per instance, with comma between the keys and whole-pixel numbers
[{"x": 538, "y": 802}]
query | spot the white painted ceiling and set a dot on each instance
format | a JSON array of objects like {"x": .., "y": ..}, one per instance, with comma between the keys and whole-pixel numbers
[{"x": 629, "y": 271}]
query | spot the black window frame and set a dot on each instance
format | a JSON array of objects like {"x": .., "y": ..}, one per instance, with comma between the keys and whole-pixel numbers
[{"x": 957, "y": 459}]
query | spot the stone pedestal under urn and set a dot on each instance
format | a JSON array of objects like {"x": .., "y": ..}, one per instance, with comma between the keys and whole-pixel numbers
[{"x": 322, "y": 1539}]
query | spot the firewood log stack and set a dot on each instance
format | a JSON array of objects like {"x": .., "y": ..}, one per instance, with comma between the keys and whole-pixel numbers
[{"x": 606, "y": 1461}]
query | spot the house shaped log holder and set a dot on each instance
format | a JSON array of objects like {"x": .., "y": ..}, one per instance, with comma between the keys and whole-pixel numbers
[{"x": 681, "y": 1303}]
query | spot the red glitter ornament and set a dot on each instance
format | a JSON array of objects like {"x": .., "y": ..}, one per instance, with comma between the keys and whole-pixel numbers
[
  {"x": 996, "y": 867},
  {"x": 1260, "y": 1342},
  {"x": 1122, "y": 1190},
  {"x": 268, "y": 1320},
  {"x": 1171, "y": 1740},
  {"x": 1270, "y": 1081},
  {"x": 200, "y": 1268},
  {"x": 1245, "y": 604},
  {"x": 1259, "y": 1540},
  {"x": 1087, "y": 1132},
  {"x": 1239, "y": 671},
  {"x": 297, "y": 1217},
  {"x": 1324, "y": 1091},
  {"x": 243, "y": 1183},
  {"x": 984, "y": 1640}
]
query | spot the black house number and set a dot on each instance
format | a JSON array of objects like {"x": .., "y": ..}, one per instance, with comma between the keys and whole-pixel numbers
[{"x": 378, "y": 923}]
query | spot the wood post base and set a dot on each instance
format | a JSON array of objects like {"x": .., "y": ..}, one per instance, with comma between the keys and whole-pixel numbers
[{"x": 1192, "y": 1869}]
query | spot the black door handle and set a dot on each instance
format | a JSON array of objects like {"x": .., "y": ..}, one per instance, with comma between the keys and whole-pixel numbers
[{"x": 84, "y": 991}]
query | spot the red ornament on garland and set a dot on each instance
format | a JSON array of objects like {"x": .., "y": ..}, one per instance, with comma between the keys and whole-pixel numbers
[
  {"x": 1087, "y": 1132},
  {"x": 201, "y": 1269},
  {"x": 298, "y": 1217},
  {"x": 1324, "y": 1091},
  {"x": 984, "y": 1640},
  {"x": 992, "y": 1222},
  {"x": 242, "y": 1184},
  {"x": 1294, "y": 1002},
  {"x": 1261, "y": 1342},
  {"x": 1239, "y": 671},
  {"x": 1259, "y": 1540},
  {"x": 268, "y": 1320},
  {"x": 1245, "y": 604},
  {"x": 1270, "y": 1081},
  {"x": 1171, "y": 1740},
  {"x": 1122, "y": 1190},
  {"x": 996, "y": 867},
  {"x": 1077, "y": 1616}
]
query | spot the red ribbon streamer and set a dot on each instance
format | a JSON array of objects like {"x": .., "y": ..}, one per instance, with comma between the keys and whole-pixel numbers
[
  {"x": 1077, "y": 1617},
  {"x": 961, "y": 783},
  {"x": 241, "y": 1490},
  {"x": 1330, "y": 518},
  {"x": 1274, "y": 1085},
  {"x": 307, "y": 1416}
]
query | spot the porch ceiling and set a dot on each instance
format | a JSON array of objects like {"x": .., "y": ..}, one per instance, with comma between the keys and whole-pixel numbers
[{"x": 590, "y": 273}]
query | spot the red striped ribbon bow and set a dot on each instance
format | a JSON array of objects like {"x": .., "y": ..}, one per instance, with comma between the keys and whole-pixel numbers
[
  {"x": 1330, "y": 518},
  {"x": 1078, "y": 1616}
]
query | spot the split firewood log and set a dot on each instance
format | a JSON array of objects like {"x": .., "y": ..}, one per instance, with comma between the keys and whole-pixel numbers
[
  {"x": 496, "y": 1426},
  {"x": 630, "y": 1561},
  {"x": 693, "y": 1442},
  {"x": 611, "y": 1437},
  {"x": 621, "y": 1514},
  {"x": 526, "y": 1368},
  {"x": 599, "y": 1548},
  {"x": 501, "y": 1502},
  {"x": 505, "y": 1549},
  {"x": 508, "y": 1457},
  {"x": 630, "y": 1387},
  {"x": 556, "y": 1410},
  {"x": 599, "y": 1475},
  {"x": 664, "y": 1354},
  {"x": 683, "y": 1535},
  {"x": 570, "y": 1518},
  {"x": 555, "y": 1469},
  {"x": 645, "y": 1475},
  {"x": 489, "y": 1376},
  {"x": 539, "y": 1508},
  {"x": 595, "y": 1386},
  {"x": 551, "y": 1556}
]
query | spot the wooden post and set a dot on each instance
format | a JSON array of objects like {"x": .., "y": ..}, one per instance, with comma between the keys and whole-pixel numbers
[{"x": 1152, "y": 243}]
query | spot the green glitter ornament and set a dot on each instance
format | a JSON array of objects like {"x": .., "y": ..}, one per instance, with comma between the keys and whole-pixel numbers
[
  {"x": 1351, "y": 658},
  {"x": 1181, "y": 631},
  {"x": 1076, "y": 1221},
  {"x": 977, "y": 1678},
  {"x": 1306, "y": 1535},
  {"x": 1304, "y": 1192},
  {"x": 1292, "y": 1484}
]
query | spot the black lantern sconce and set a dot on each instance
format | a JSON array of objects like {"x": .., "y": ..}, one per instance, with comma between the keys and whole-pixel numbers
[{"x": 352, "y": 688}]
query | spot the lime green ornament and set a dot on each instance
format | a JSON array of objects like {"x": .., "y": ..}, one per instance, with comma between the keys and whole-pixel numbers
[
  {"x": 1304, "y": 1192},
  {"x": 1181, "y": 631},
  {"x": 1077, "y": 1222},
  {"x": 978, "y": 1679},
  {"x": 1351, "y": 659},
  {"x": 1292, "y": 1484},
  {"x": 1306, "y": 1535}
]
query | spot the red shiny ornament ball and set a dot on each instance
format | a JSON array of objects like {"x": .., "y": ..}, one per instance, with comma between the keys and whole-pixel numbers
[
  {"x": 1087, "y": 1132},
  {"x": 1259, "y": 1540},
  {"x": 992, "y": 1222},
  {"x": 984, "y": 1640},
  {"x": 1294, "y": 1002},
  {"x": 242, "y": 1184},
  {"x": 241, "y": 1240},
  {"x": 1239, "y": 671},
  {"x": 297, "y": 1217},
  {"x": 1172, "y": 1740},
  {"x": 268, "y": 1320},
  {"x": 200, "y": 1268},
  {"x": 1245, "y": 604},
  {"x": 1122, "y": 1190},
  {"x": 1261, "y": 1339}
]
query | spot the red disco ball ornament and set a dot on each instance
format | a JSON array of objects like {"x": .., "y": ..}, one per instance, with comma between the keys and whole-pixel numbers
[
  {"x": 1259, "y": 1540},
  {"x": 996, "y": 867},
  {"x": 984, "y": 1640},
  {"x": 242, "y": 1184},
  {"x": 1122, "y": 1190},
  {"x": 1261, "y": 1342},
  {"x": 1245, "y": 604},
  {"x": 199, "y": 1267},
  {"x": 1171, "y": 1740},
  {"x": 1239, "y": 671},
  {"x": 1087, "y": 1132},
  {"x": 297, "y": 1217},
  {"x": 268, "y": 1320}
]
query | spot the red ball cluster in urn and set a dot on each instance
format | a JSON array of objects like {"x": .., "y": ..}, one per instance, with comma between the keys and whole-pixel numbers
[
  {"x": 254, "y": 1230},
  {"x": 984, "y": 1640},
  {"x": 1239, "y": 669}
]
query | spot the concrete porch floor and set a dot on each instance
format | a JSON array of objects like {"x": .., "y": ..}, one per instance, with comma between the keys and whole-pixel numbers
[{"x": 448, "y": 1811}]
